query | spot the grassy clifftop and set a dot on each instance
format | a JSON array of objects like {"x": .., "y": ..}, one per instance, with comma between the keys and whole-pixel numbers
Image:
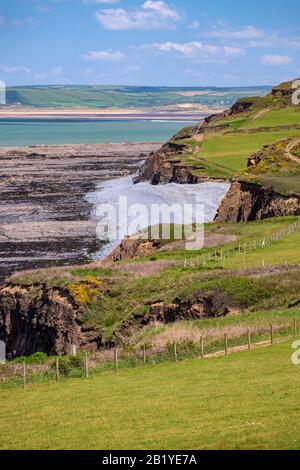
[{"x": 223, "y": 145}]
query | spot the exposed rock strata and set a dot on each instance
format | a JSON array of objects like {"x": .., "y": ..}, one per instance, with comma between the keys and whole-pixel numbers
[
  {"x": 132, "y": 247},
  {"x": 38, "y": 318},
  {"x": 247, "y": 201}
]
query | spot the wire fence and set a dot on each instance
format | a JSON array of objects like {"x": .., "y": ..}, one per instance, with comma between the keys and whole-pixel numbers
[
  {"x": 220, "y": 256},
  {"x": 86, "y": 365}
]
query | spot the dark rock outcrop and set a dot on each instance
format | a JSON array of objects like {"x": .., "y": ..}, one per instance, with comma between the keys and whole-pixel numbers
[
  {"x": 132, "y": 247},
  {"x": 162, "y": 167},
  {"x": 248, "y": 201},
  {"x": 41, "y": 319},
  {"x": 203, "y": 304}
]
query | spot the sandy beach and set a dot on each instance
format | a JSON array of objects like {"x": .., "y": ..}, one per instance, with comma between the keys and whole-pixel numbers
[{"x": 183, "y": 112}]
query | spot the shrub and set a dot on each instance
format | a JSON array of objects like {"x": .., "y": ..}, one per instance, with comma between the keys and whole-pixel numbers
[{"x": 36, "y": 358}]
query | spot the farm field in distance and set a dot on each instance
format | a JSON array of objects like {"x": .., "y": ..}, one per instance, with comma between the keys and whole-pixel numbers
[{"x": 101, "y": 97}]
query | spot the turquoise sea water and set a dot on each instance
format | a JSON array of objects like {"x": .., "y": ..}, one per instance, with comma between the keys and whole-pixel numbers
[{"x": 31, "y": 132}]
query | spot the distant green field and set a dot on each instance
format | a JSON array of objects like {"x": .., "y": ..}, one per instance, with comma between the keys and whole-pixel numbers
[
  {"x": 124, "y": 97},
  {"x": 247, "y": 400}
]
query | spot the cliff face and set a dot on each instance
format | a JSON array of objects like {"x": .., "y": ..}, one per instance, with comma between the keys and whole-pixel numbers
[
  {"x": 248, "y": 201},
  {"x": 164, "y": 166},
  {"x": 38, "y": 318}
]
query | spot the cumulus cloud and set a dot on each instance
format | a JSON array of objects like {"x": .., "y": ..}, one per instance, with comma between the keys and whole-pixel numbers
[
  {"x": 202, "y": 52},
  {"x": 248, "y": 32},
  {"x": 276, "y": 60},
  {"x": 151, "y": 15},
  {"x": 103, "y": 55}
]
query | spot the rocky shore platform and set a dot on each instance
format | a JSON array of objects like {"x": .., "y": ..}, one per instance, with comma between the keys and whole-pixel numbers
[{"x": 45, "y": 219}]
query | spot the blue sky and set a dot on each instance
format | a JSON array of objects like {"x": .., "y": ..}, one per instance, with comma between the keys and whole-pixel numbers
[{"x": 149, "y": 42}]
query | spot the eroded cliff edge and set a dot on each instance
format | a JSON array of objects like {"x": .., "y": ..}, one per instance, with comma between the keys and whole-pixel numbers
[{"x": 248, "y": 201}]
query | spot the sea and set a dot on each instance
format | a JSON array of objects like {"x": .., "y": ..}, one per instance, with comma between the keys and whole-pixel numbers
[{"x": 24, "y": 132}]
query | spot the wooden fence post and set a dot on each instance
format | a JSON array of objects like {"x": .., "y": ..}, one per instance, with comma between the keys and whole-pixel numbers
[
  {"x": 175, "y": 351},
  {"x": 271, "y": 334},
  {"x": 116, "y": 360},
  {"x": 202, "y": 346},
  {"x": 249, "y": 338},
  {"x": 24, "y": 375},
  {"x": 86, "y": 364},
  {"x": 144, "y": 355},
  {"x": 57, "y": 370}
]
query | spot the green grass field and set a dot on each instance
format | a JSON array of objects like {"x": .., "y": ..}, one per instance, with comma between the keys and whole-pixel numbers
[
  {"x": 247, "y": 400},
  {"x": 233, "y": 150},
  {"x": 273, "y": 118}
]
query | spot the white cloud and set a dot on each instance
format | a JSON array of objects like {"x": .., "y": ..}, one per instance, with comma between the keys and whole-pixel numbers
[
  {"x": 6, "y": 69},
  {"x": 200, "y": 52},
  {"x": 150, "y": 15},
  {"x": 103, "y": 55},
  {"x": 248, "y": 32},
  {"x": 276, "y": 60}
]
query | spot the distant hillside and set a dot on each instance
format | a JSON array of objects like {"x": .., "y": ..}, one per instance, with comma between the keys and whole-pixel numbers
[{"x": 125, "y": 97}]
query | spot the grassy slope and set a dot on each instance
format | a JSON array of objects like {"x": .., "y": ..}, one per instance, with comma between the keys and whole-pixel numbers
[
  {"x": 233, "y": 150},
  {"x": 118, "y": 96},
  {"x": 128, "y": 292},
  {"x": 191, "y": 405},
  {"x": 229, "y": 142}
]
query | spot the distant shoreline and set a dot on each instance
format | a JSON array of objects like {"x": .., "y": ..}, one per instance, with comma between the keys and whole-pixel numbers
[{"x": 164, "y": 113}]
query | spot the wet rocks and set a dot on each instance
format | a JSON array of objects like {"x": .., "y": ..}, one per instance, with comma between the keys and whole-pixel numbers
[{"x": 44, "y": 217}]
